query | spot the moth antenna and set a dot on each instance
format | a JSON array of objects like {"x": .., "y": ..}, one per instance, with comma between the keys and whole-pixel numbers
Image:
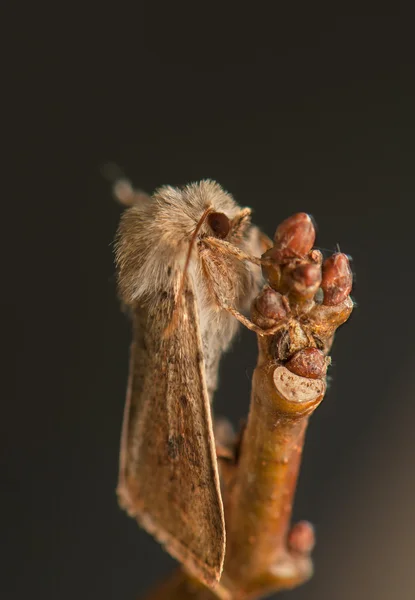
[
  {"x": 122, "y": 188},
  {"x": 171, "y": 326},
  {"x": 123, "y": 191}
]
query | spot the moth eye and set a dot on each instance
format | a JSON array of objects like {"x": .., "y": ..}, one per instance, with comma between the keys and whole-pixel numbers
[{"x": 219, "y": 223}]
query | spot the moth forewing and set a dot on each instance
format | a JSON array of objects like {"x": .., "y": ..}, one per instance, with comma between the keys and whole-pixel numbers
[
  {"x": 168, "y": 472},
  {"x": 168, "y": 469}
]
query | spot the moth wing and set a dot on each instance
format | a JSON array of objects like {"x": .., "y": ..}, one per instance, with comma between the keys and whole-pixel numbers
[{"x": 168, "y": 469}]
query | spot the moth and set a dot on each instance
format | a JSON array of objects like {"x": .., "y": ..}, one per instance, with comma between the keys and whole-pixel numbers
[{"x": 186, "y": 270}]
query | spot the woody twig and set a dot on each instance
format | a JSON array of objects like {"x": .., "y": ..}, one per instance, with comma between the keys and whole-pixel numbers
[{"x": 304, "y": 302}]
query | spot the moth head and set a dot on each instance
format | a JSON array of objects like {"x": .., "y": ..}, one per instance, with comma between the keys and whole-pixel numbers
[{"x": 223, "y": 227}]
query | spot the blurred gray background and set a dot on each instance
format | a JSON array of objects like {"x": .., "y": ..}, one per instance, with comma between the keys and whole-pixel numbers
[{"x": 309, "y": 111}]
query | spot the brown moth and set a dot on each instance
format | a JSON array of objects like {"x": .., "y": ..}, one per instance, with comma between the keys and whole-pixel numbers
[{"x": 185, "y": 269}]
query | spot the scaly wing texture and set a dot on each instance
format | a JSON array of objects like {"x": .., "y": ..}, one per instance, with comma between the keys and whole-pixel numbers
[{"x": 168, "y": 470}]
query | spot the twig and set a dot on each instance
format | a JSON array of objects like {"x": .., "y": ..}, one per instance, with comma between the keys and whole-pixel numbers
[{"x": 259, "y": 509}]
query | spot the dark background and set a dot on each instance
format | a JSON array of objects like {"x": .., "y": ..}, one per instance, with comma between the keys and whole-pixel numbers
[{"x": 310, "y": 111}]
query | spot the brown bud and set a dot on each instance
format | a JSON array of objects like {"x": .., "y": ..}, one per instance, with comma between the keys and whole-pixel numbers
[
  {"x": 295, "y": 235},
  {"x": 305, "y": 279},
  {"x": 270, "y": 304},
  {"x": 309, "y": 362},
  {"x": 271, "y": 269},
  {"x": 301, "y": 538},
  {"x": 337, "y": 279},
  {"x": 316, "y": 256}
]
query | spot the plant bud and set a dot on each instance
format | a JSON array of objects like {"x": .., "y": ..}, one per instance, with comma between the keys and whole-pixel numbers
[
  {"x": 309, "y": 362},
  {"x": 305, "y": 279},
  {"x": 270, "y": 304},
  {"x": 271, "y": 270},
  {"x": 316, "y": 256},
  {"x": 295, "y": 236},
  {"x": 337, "y": 279},
  {"x": 301, "y": 538}
]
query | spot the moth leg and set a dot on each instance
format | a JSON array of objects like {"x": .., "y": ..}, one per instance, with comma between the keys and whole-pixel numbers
[
  {"x": 240, "y": 222},
  {"x": 244, "y": 320},
  {"x": 242, "y": 216},
  {"x": 228, "y": 248},
  {"x": 225, "y": 292},
  {"x": 250, "y": 325}
]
